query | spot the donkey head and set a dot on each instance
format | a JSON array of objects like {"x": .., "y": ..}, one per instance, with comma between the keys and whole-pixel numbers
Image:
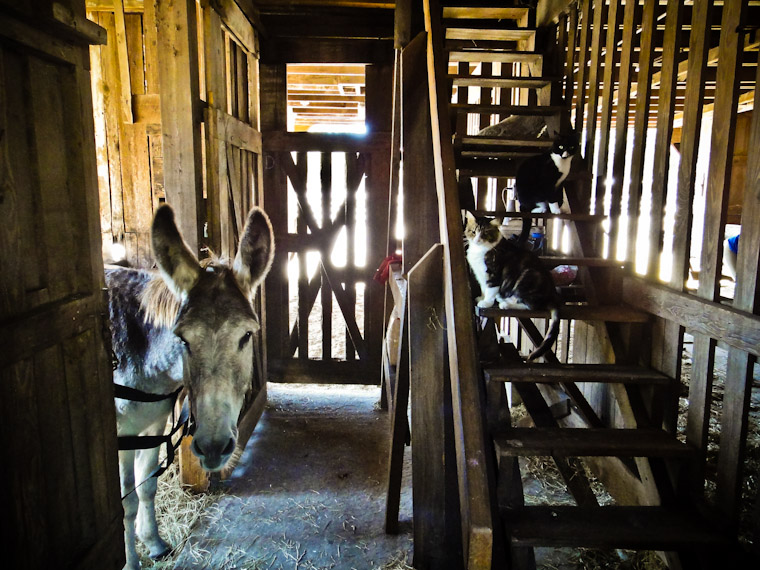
[{"x": 216, "y": 323}]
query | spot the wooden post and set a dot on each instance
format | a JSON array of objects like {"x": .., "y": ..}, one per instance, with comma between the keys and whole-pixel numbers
[
  {"x": 180, "y": 115},
  {"x": 437, "y": 540}
]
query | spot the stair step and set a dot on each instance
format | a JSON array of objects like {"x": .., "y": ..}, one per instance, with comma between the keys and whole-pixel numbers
[
  {"x": 530, "y": 111},
  {"x": 502, "y": 82},
  {"x": 602, "y": 373},
  {"x": 491, "y": 56},
  {"x": 498, "y": 35},
  {"x": 475, "y": 141},
  {"x": 486, "y": 13},
  {"x": 607, "y": 313},
  {"x": 560, "y": 260},
  {"x": 491, "y": 164},
  {"x": 637, "y": 528},
  {"x": 588, "y": 442}
]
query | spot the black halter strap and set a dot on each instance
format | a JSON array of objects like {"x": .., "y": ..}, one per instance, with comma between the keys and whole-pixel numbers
[{"x": 127, "y": 393}]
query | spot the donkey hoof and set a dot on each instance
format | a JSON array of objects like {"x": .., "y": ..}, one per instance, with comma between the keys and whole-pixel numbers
[{"x": 162, "y": 553}]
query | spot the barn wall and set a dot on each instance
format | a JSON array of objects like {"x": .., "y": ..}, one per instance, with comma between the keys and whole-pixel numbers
[
  {"x": 666, "y": 120},
  {"x": 59, "y": 482}
]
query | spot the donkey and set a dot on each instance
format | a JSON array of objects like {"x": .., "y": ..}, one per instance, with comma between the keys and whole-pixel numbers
[{"x": 190, "y": 325}]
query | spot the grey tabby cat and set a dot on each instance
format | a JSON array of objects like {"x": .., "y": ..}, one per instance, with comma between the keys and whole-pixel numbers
[{"x": 510, "y": 275}]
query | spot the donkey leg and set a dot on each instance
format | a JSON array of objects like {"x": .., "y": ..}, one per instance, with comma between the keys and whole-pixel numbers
[
  {"x": 147, "y": 527},
  {"x": 129, "y": 502}
]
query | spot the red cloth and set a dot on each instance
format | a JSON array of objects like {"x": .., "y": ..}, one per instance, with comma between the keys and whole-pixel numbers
[{"x": 383, "y": 272}]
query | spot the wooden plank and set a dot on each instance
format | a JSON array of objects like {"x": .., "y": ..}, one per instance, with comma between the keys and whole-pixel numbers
[
  {"x": 651, "y": 528},
  {"x": 319, "y": 372},
  {"x": 325, "y": 179},
  {"x": 436, "y": 524},
  {"x": 572, "y": 38},
  {"x": 734, "y": 327},
  {"x": 487, "y": 13},
  {"x": 641, "y": 118},
  {"x": 662, "y": 143},
  {"x": 238, "y": 23},
  {"x": 420, "y": 209},
  {"x": 580, "y": 104},
  {"x": 500, "y": 35},
  {"x": 739, "y": 373},
  {"x": 576, "y": 372},
  {"x": 608, "y": 313},
  {"x": 610, "y": 62},
  {"x": 623, "y": 99},
  {"x": 123, "y": 61},
  {"x": 180, "y": 128},
  {"x": 594, "y": 83},
  {"x": 501, "y": 82},
  {"x": 716, "y": 204},
  {"x": 283, "y": 141},
  {"x": 150, "y": 45},
  {"x": 581, "y": 442}
]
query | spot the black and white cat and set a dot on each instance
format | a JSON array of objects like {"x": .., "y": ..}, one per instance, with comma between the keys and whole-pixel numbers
[
  {"x": 510, "y": 275},
  {"x": 539, "y": 180}
]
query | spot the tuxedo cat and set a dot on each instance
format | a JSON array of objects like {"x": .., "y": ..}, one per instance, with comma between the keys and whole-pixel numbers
[
  {"x": 538, "y": 184},
  {"x": 510, "y": 275}
]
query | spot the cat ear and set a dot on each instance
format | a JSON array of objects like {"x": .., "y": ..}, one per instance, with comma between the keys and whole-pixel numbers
[
  {"x": 467, "y": 217},
  {"x": 495, "y": 222}
]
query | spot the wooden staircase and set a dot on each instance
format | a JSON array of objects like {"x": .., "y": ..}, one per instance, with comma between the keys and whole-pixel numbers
[{"x": 661, "y": 518}]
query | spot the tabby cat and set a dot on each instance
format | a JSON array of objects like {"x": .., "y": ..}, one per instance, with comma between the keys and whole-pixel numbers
[
  {"x": 538, "y": 184},
  {"x": 510, "y": 275}
]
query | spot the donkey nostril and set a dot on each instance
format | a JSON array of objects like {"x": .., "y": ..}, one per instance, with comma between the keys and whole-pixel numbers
[
  {"x": 230, "y": 447},
  {"x": 197, "y": 448}
]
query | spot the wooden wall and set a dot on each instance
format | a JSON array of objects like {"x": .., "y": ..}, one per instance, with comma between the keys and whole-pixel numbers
[
  {"x": 638, "y": 82},
  {"x": 59, "y": 482}
]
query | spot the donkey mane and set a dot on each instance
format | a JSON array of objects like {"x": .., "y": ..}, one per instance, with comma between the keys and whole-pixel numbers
[{"x": 160, "y": 305}]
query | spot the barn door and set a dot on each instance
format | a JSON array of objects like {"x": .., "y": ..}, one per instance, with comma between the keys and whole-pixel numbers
[
  {"x": 59, "y": 486},
  {"x": 327, "y": 195}
]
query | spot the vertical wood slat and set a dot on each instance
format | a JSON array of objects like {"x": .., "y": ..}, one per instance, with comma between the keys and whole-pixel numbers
[
  {"x": 689, "y": 150},
  {"x": 325, "y": 177},
  {"x": 134, "y": 46},
  {"x": 572, "y": 40},
  {"x": 180, "y": 100},
  {"x": 621, "y": 121},
  {"x": 610, "y": 61},
  {"x": 354, "y": 175},
  {"x": 664, "y": 133},
  {"x": 477, "y": 519},
  {"x": 641, "y": 118},
  {"x": 583, "y": 59},
  {"x": 150, "y": 46},
  {"x": 123, "y": 60},
  {"x": 718, "y": 183},
  {"x": 739, "y": 373},
  {"x": 592, "y": 110}
]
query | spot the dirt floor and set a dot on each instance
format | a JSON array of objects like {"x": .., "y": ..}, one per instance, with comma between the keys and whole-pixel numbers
[{"x": 309, "y": 491}]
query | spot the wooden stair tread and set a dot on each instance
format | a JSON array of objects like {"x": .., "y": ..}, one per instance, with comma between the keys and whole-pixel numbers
[
  {"x": 650, "y": 528},
  {"x": 485, "y": 13},
  {"x": 474, "y": 141},
  {"x": 608, "y": 313},
  {"x": 502, "y": 82},
  {"x": 499, "y": 35},
  {"x": 579, "y": 217},
  {"x": 604, "y": 373},
  {"x": 588, "y": 442},
  {"x": 494, "y": 56},
  {"x": 532, "y": 110},
  {"x": 481, "y": 164}
]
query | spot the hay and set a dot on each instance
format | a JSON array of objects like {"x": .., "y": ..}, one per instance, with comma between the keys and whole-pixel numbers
[{"x": 177, "y": 511}]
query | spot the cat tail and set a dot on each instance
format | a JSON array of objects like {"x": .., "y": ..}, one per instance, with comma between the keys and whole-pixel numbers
[
  {"x": 550, "y": 337},
  {"x": 527, "y": 223}
]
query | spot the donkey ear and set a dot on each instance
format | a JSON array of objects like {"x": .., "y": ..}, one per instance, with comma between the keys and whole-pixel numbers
[
  {"x": 256, "y": 251},
  {"x": 179, "y": 267}
]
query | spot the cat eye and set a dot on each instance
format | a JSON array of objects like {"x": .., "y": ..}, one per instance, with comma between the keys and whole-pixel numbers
[{"x": 184, "y": 343}]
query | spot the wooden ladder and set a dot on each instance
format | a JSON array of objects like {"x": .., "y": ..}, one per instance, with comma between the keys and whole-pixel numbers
[{"x": 652, "y": 460}]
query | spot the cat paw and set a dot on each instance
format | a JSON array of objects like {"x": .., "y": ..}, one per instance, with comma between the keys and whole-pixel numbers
[
  {"x": 539, "y": 209},
  {"x": 554, "y": 207},
  {"x": 484, "y": 303}
]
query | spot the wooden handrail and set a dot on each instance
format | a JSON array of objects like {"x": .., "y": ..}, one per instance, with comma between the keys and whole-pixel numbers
[{"x": 469, "y": 430}]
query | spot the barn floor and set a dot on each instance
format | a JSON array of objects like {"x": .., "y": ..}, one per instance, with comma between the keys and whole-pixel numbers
[{"x": 309, "y": 491}]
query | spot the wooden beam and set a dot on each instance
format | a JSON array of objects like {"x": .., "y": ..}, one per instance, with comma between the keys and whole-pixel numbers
[{"x": 736, "y": 328}]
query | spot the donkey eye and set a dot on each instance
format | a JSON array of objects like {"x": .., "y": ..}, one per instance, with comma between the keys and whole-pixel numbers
[
  {"x": 184, "y": 343},
  {"x": 244, "y": 339}
]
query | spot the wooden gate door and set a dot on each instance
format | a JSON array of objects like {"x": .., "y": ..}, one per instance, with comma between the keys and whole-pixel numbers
[
  {"x": 327, "y": 195},
  {"x": 59, "y": 481}
]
